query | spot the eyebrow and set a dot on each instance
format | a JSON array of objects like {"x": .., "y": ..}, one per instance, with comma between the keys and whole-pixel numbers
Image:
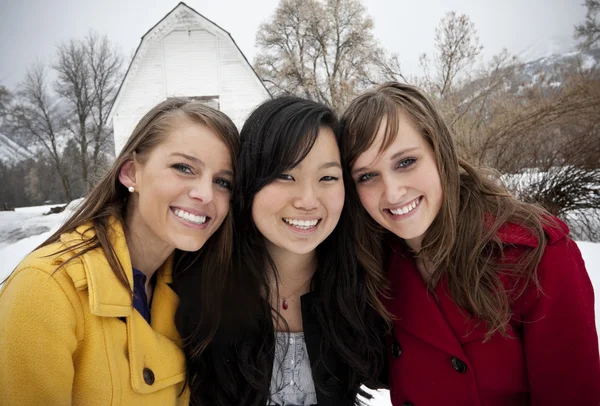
[
  {"x": 393, "y": 158},
  {"x": 331, "y": 164},
  {"x": 200, "y": 163}
]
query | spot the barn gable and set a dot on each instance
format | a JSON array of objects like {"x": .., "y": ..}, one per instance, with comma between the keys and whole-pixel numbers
[{"x": 185, "y": 54}]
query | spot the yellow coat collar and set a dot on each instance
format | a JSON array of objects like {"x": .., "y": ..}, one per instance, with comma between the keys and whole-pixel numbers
[
  {"x": 156, "y": 346},
  {"x": 108, "y": 296}
]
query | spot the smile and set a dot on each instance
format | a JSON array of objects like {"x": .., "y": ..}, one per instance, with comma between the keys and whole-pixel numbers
[
  {"x": 190, "y": 217},
  {"x": 303, "y": 225},
  {"x": 404, "y": 210}
]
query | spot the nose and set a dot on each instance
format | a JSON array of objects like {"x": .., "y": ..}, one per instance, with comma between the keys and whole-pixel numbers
[
  {"x": 306, "y": 198},
  {"x": 202, "y": 189},
  {"x": 394, "y": 190}
]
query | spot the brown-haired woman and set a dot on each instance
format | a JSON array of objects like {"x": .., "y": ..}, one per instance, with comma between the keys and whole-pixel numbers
[
  {"x": 490, "y": 298},
  {"x": 88, "y": 317}
]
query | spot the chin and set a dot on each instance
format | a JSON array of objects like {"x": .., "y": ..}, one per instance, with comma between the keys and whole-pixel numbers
[
  {"x": 411, "y": 235},
  {"x": 190, "y": 246},
  {"x": 302, "y": 250}
]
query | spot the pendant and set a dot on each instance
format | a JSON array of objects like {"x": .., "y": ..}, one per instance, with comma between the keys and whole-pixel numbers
[{"x": 284, "y": 304}]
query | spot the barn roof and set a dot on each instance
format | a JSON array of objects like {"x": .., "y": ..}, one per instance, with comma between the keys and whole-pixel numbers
[{"x": 138, "y": 49}]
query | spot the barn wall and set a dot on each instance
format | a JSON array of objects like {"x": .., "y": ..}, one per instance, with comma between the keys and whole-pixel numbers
[{"x": 187, "y": 60}]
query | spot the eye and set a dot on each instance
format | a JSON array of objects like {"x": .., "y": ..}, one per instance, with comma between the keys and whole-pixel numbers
[
  {"x": 285, "y": 176},
  {"x": 365, "y": 177},
  {"x": 183, "y": 168},
  {"x": 328, "y": 179},
  {"x": 405, "y": 163},
  {"x": 224, "y": 183}
]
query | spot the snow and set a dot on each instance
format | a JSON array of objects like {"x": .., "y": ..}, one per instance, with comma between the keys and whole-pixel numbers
[
  {"x": 24, "y": 229},
  {"x": 588, "y": 62},
  {"x": 547, "y": 47}
]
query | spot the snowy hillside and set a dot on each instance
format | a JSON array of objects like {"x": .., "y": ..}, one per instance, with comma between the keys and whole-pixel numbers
[
  {"x": 547, "y": 47},
  {"x": 548, "y": 58},
  {"x": 11, "y": 152}
]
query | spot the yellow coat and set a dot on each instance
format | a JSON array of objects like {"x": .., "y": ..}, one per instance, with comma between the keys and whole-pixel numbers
[{"x": 73, "y": 337}]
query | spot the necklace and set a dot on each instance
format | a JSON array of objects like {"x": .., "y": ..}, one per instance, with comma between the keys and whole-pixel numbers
[{"x": 284, "y": 302}]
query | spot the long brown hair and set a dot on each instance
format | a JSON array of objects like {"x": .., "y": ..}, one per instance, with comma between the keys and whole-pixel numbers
[
  {"x": 108, "y": 199},
  {"x": 461, "y": 244}
]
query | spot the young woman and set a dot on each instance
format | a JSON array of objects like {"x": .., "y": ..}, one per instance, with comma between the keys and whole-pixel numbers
[
  {"x": 297, "y": 325},
  {"x": 88, "y": 317},
  {"x": 491, "y": 301}
]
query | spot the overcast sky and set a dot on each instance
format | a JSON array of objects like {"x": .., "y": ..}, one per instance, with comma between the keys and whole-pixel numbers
[{"x": 30, "y": 29}]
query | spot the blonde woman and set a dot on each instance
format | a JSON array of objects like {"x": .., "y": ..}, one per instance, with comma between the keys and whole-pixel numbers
[{"x": 88, "y": 317}]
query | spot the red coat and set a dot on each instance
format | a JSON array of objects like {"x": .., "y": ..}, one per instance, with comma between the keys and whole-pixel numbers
[{"x": 437, "y": 357}]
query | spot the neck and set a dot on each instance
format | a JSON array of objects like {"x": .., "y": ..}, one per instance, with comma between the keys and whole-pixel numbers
[
  {"x": 146, "y": 251},
  {"x": 414, "y": 243},
  {"x": 293, "y": 270}
]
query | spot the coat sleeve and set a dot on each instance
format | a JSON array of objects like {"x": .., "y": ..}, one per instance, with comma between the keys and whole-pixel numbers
[
  {"x": 559, "y": 331},
  {"x": 37, "y": 340}
]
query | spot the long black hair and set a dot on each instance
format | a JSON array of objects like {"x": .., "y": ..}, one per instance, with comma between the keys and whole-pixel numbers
[{"x": 235, "y": 368}]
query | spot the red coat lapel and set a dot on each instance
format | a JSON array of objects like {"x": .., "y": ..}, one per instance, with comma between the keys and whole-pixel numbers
[{"x": 416, "y": 309}]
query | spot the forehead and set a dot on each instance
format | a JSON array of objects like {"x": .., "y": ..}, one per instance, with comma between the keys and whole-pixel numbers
[
  {"x": 325, "y": 149},
  {"x": 394, "y": 134},
  {"x": 185, "y": 135}
]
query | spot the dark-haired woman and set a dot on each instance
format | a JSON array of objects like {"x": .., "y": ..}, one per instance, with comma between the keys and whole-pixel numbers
[
  {"x": 491, "y": 301},
  {"x": 297, "y": 325},
  {"x": 88, "y": 317}
]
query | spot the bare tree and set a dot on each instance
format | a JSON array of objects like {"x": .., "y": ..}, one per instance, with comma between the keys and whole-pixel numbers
[
  {"x": 457, "y": 48},
  {"x": 6, "y": 97},
  {"x": 105, "y": 63},
  {"x": 589, "y": 30},
  {"x": 323, "y": 50},
  {"x": 539, "y": 129},
  {"x": 88, "y": 77},
  {"x": 37, "y": 115}
]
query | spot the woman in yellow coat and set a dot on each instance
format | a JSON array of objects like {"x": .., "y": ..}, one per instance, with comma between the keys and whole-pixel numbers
[{"x": 88, "y": 317}]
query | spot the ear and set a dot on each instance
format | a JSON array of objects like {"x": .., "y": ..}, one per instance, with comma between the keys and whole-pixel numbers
[{"x": 127, "y": 174}]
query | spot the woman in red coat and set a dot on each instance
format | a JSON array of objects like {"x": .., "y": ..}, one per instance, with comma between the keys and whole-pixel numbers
[{"x": 490, "y": 300}]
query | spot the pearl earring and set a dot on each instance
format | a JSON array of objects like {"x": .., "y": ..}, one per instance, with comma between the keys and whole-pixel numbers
[{"x": 131, "y": 189}]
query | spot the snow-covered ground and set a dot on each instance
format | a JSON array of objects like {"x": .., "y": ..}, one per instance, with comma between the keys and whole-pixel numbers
[{"x": 24, "y": 229}]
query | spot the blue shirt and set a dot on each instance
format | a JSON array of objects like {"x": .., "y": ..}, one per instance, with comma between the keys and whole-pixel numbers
[{"x": 140, "y": 299}]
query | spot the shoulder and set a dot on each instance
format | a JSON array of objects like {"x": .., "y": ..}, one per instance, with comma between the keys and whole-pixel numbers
[
  {"x": 561, "y": 269},
  {"x": 42, "y": 274},
  {"x": 555, "y": 231},
  {"x": 560, "y": 253},
  {"x": 45, "y": 259}
]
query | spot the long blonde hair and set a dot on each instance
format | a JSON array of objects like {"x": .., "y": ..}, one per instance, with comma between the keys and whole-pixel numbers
[{"x": 462, "y": 243}]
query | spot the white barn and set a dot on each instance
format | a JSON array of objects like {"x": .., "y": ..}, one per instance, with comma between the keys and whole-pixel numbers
[{"x": 186, "y": 54}]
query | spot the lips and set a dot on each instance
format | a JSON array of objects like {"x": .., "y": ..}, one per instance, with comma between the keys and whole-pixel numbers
[
  {"x": 197, "y": 219},
  {"x": 407, "y": 208},
  {"x": 302, "y": 224}
]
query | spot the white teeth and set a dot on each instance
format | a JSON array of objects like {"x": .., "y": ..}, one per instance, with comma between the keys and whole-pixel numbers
[
  {"x": 406, "y": 209},
  {"x": 192, "y": 218},
  {"x": 304, "y": 224}
]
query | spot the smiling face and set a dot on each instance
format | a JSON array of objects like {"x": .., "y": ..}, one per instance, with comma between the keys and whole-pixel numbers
[
  {"x": 400, "y": 188},
  {"x": 182, "y": 188},
  {"x": 299, "y": 210}
]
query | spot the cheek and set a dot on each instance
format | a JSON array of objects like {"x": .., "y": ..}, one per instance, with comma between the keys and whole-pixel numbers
[
  {"x": 161, "y": 187},
  {"x": 222, "y": 203},
  {"x": 368, "y": 198},
  {"x": 258, "y": 208},
  {"x": 335, "y": 199},
  {"x": 432, "y": 186}
]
